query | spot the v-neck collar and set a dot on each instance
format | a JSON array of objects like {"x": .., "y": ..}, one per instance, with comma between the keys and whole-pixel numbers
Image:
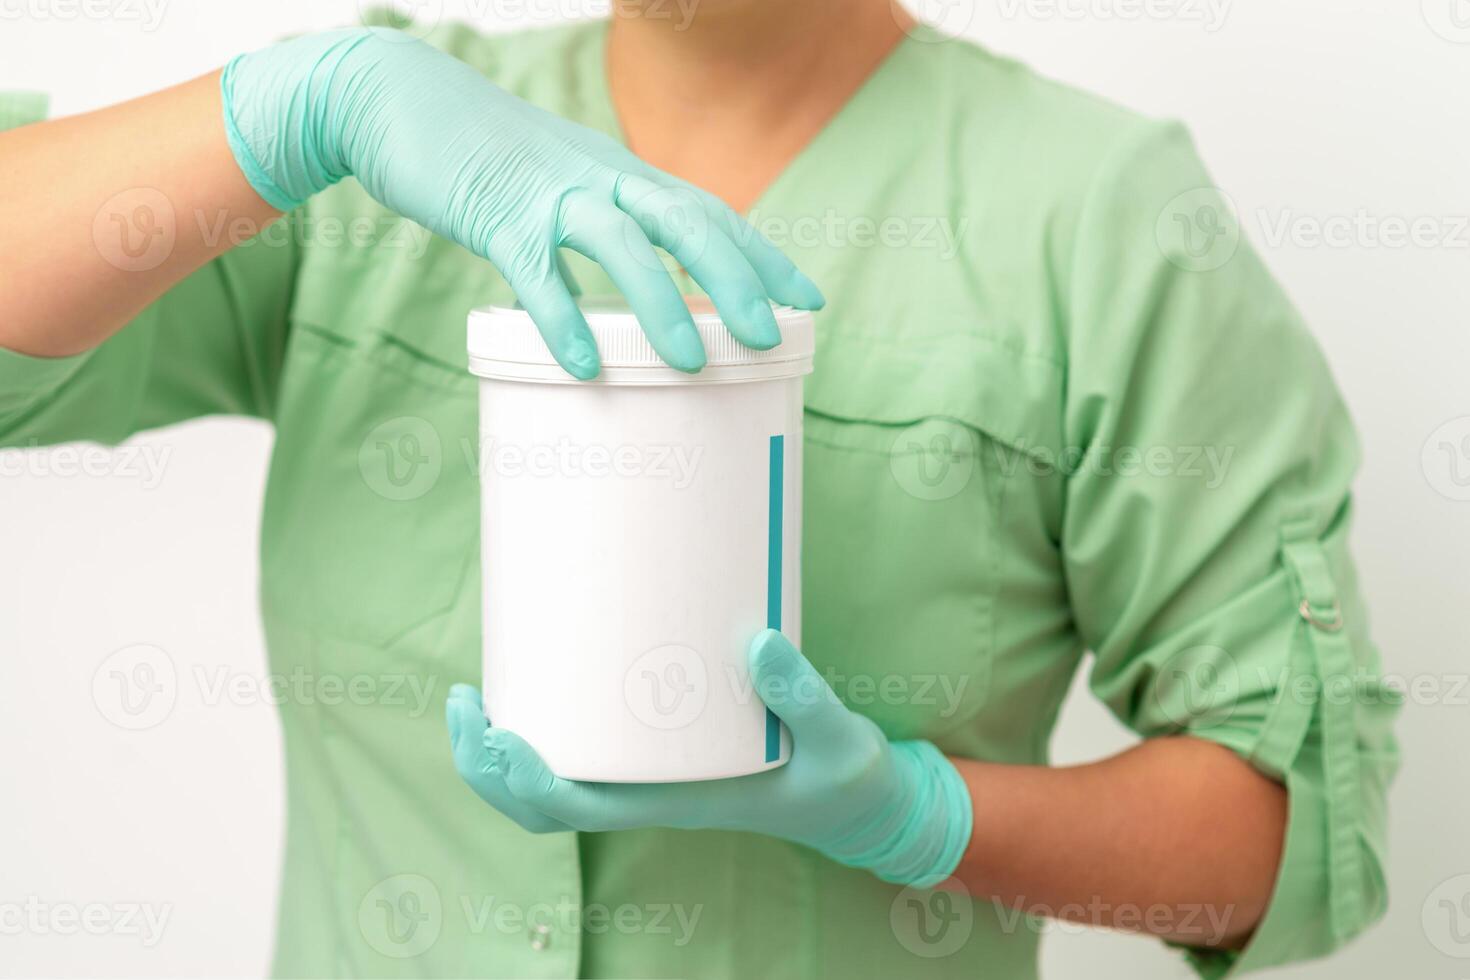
[{"x": 603, "y": 114}]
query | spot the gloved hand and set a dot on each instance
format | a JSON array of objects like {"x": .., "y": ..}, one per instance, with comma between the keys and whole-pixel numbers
[
  {"x": 899, "y": 809},
  {"x": 432, "y": 139}
]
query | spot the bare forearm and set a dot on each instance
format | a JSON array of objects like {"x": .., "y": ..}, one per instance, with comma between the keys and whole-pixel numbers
[
  {"x": 104, "y": 212},
  {"x": 1176, "y": 837}
]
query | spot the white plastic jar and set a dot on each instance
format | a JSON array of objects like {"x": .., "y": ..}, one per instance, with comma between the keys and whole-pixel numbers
[{"x": 638, "y": 531}]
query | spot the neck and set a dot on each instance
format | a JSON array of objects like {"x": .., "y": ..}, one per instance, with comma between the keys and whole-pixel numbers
[{"x": 696, "y": 83}]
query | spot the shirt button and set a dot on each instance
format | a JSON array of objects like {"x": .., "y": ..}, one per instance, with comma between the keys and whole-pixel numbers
[{"x": 540, "y": 937}]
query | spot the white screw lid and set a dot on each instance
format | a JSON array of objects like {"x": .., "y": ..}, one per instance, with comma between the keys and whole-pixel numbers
[{"x": 504, "y": 343}]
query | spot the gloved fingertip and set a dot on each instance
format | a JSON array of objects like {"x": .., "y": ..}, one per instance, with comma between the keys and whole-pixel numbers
[
  {"x": 686, "y": 350},
  {"x": 455, "y": 710},
  {"x": 764, "y": 637},
  {"x": 462, "y": 715},
  {"x": 464, "y": 692},
  {"x": 771, "y": 653},
  {"x": 764, "y": 333},
  {"x": 497, "y": 748},
  {"x": 581, "y": 360},
  {"x": 525, "y": 774},
  {"x": 807, "y": 295}
]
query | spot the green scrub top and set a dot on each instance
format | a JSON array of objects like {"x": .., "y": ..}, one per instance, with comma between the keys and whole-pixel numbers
[{"x": 1059, "y": 407}]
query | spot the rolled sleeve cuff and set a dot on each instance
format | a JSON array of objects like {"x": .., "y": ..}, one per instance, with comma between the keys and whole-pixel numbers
[
  {"x": 1294, "y": 927},
  {"x": 1325, "y": 737}
]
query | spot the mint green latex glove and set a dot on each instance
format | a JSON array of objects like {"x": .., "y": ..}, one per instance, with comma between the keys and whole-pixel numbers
[
  {"x": 435, "y": 141},
  {"x": 898, "y": 809}
]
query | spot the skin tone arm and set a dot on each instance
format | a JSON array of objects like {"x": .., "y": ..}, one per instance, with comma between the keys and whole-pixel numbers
[
  {"x": 60, "y": 292},
  {"x": 1176, "y": 837},
  {"x": 1106, "y": 841}
]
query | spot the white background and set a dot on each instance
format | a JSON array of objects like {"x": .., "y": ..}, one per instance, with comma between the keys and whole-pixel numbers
[{"x": 1306, "y": 110}]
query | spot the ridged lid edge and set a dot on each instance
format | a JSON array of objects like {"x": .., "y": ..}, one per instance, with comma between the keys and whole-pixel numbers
[{"x": 508, "y": 335}]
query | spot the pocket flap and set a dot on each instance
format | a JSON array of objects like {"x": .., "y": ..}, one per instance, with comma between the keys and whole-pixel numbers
[{"x": 1013, "y": 397}]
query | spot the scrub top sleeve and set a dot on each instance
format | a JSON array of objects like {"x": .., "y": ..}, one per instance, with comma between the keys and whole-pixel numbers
[
  {"x": 1205, "y": 538},
  {"x": 22, "y": 108},
  {"x": 214, "y": 343}
]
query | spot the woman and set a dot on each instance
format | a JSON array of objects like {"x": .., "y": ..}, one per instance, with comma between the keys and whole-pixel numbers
[{"x": 1057, "y": 407}]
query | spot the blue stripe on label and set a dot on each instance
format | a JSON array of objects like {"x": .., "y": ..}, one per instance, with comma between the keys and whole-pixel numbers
[{"x": 774, "y": 536}]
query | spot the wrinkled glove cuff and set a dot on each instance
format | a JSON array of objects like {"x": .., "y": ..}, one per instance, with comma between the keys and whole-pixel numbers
[
  {"x": 287, "y": 109},
  {"x": 919, "y": 839},
  {"x": 268, "y": 189}
]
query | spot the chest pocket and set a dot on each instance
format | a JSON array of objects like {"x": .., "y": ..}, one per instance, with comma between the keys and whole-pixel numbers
[
  {"x": 371, "y": 525},
  {"x": 910, "y": 451}
]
